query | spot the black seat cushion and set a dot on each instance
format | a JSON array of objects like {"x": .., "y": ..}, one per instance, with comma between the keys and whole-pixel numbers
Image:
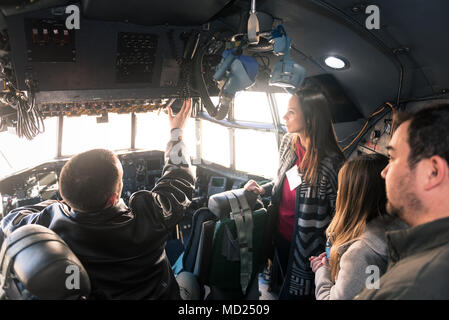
[{"x": 44, "y": 264}]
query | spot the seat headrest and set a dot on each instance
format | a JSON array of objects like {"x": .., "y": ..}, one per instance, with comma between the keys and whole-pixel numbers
[
  {"x": 219, "y": 204},
  {"x": 43, "y": 264}
]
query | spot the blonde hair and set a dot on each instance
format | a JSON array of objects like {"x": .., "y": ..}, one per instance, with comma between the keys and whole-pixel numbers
[{"x": 360, "y": 198}]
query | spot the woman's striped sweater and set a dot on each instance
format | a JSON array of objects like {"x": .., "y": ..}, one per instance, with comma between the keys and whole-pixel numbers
[{"x": 314, "y": 209}]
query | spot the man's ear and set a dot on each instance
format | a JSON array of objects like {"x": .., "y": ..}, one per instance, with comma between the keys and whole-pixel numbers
[{"x": 436, "y": 171}]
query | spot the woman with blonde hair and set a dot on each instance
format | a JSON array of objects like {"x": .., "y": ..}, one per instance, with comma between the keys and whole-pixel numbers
[
  {"x": 357, "y": 231},
  {"x": 303, "y": 193}
]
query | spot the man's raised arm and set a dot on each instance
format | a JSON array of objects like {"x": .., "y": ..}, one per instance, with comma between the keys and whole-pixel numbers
[{"x": 173, "y": 192}]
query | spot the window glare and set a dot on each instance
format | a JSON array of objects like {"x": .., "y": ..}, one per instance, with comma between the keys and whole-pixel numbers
[
  {"x": 282, "y": 104},
  {"x": 153, "y": 132},
  {"x": 256, "y": 152},
  {"x": 21, "y": 153},
  {"x": 215, "y": 143},
  {"x": 252, "y": 106},
  {"x": 84, "y": 133},
  {"x": 189, "y": 137}
]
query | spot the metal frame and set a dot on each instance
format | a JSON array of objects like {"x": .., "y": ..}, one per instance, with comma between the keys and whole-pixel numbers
[
  {"x": 59, "y": 138},
  {"x": 133, "y": 130}
]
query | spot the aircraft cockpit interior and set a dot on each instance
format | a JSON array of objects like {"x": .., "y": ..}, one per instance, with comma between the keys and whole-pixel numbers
[{"x": 88, "y": 74}]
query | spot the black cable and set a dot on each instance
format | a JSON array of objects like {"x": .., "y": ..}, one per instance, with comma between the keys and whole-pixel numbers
[
  {"x": 29, "y": 118},
  {"x": 401, "y": 80},
  {"x": 185, "y": 65},
  {"x": 265, "y": 61},
  {"x": 438, "y": 96}
]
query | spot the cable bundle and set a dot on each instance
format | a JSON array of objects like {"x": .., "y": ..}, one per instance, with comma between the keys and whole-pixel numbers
[
  {"x": 29, "y": 118},
  {"x": 30, "y": 121}
]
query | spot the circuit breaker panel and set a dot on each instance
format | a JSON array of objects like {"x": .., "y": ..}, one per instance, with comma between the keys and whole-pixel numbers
[{"x": 101, "y": 67}]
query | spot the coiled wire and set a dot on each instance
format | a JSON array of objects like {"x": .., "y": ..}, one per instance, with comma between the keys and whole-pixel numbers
[{"x": 30, "y": 121}]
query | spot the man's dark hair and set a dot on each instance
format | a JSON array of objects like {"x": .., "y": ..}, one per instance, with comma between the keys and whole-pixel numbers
[
  {"x": 89, "y": 179},
  {"x": 428, "y": 133}
]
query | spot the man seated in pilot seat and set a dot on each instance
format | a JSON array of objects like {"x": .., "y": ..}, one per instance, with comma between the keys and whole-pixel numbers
[{"x": 122, "y": 248}]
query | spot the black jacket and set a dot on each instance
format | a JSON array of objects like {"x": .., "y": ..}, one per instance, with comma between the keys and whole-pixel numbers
[{"x": 122, "y": 249}]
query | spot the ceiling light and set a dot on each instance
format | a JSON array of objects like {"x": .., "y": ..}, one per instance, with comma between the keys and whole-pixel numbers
[{"x": 335, "y": 62}]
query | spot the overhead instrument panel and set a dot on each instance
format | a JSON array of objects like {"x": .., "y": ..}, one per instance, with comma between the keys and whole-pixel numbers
[
  {"x": 102, "y": 65},
  {"x": 48, "y": 40},
  {"x": 136, "y": 54}
]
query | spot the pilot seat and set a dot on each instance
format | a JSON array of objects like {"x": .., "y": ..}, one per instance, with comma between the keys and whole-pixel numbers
[
  {"x": 225, "y": 249},
  {"x": 36, "y": 264}
]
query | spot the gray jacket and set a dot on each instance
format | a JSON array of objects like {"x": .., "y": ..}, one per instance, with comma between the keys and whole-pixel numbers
[
  {"x": 418, "y": 264},
  {"x": 370, "y": 249}
]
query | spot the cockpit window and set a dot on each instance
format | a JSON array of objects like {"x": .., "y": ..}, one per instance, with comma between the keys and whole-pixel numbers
[
  {"x": 252, "y": 106},
  {"x": 153, "y": 132},
  {"x": 215, "y": 143},
  {"x": 256, "y": 152},
  {"x": 255, "y": 144},
  {"x": 84, "y": 133},
  {"x": 20, "y": 153},
  {"x": 113, "y": 132}
]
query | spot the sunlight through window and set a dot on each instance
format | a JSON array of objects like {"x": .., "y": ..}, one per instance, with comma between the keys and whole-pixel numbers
[
  {"x": 84, "y": 133},
  {"x": 282, "y": 104},
  {"x": 20, "y": 153},
  {"x": 256, "y": 152},
  {"x": 252, "y": 106},
  {"x": 153, "y": 132},
  {"x": 215, "y": 147}
]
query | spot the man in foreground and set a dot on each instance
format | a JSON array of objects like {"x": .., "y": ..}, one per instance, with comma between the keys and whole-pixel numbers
[
  {"x": 122, "y": 248},
  {"x": 417, "y": 185}
]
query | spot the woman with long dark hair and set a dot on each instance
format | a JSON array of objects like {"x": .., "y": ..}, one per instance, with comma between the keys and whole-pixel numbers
[
  {"x": 357, "y": 232},
  {"x": 303, "y": 193}
]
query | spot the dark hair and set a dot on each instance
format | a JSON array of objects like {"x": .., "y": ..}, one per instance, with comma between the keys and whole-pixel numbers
[
  {"x": 319, "y": 129},
  {"x": 89, "y": 179},
  {"x": 428, "y": 133}
]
